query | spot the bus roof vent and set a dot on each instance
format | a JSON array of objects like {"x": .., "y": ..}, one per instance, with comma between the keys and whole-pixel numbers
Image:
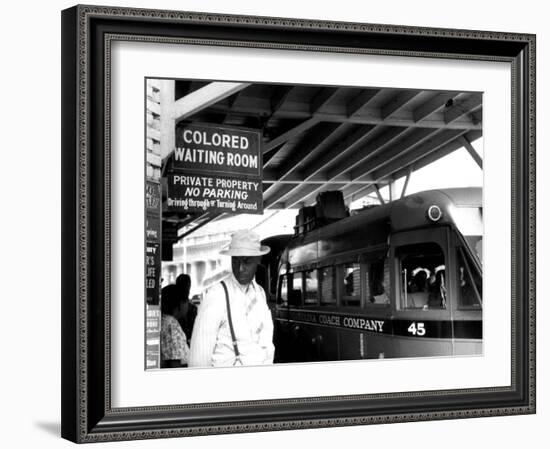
[
  {"x": 330, "y": 207},
  {"x": 305, "y": 220}
]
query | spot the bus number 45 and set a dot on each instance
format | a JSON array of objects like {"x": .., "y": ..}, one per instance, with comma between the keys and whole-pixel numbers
[{"x": 417, "y": 329}]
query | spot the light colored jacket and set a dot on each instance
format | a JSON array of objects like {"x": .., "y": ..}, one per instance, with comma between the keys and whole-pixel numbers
[{"x": 211, "y": 343}]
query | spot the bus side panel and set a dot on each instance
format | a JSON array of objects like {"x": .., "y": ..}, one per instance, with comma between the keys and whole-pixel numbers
[
  {"x": 315, "y": 343},
  {"x": 468, "y": 347},
  {"x": 364, "y": 345},
  {"x": 351, "y": 345},
  {"x": 325, "y": 339},
  {"x": 378, "y": 346},
  {"x": 291, "y": 343},
  {"x": 420, "y": 347},
  {"x": 298, "y": 342},
  {"x": 281, "y": 340}
]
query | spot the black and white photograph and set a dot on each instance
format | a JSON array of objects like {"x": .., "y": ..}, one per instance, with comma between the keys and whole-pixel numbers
[
  {"x": 245, "y": 224},
  {"x": 302, "y": 223},
  {"x": 277, "y": 223}
]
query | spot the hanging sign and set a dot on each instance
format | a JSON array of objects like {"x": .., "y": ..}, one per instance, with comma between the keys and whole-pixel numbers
[
  {"x": 152, "y": 272},
  {"x": 217, "y": 150},
  {"x": 153, "y": 236},
  {"x": 152, "y": 198},
  {"x": 216, "y": 168},
  {"x": 217, "y": 194}
]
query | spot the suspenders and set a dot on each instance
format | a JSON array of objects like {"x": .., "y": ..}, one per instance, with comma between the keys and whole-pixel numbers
[{"x": 235, "y": 346}]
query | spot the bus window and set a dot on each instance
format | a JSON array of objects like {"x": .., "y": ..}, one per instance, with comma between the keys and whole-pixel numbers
[
  {"x": 327, "y": 283},
  {"x": 422, "y": 281},
  {"x": 283, "y": 290},
  {"x": 296, "y": 294},
  {"x": 312, "y": 287},
  {"x": 469, "y": 283},
  {"x": 378, "y": 282},
  {"x": 352, "y": 285}
]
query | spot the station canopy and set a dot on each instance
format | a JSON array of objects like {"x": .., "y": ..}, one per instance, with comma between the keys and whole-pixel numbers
[{"x": 319, "y": 138}]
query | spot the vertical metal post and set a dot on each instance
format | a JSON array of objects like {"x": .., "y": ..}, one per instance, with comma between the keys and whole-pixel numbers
[
  {"x": 393, "y": 190},
  {"x": 167, "y": 117},
  {"x": 380, "y": 198},
  {"x": 404, "y": 191},
  {"x": 475, "y": 156}
]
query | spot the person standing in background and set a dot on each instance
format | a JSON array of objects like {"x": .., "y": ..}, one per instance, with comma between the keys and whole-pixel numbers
[
  {"x": 189, "y": 313},
  {"x": 174, "y": 350}
]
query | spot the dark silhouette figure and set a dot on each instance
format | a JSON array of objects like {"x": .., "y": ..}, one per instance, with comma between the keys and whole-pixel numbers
[{"x": 187, "y": 320}]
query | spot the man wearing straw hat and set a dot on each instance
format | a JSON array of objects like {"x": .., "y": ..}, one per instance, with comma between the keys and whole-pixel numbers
[{"x": 234, "y": 325}]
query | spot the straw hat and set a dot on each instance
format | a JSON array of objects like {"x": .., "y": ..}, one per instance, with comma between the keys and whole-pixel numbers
[{"x": 245, "y": 243}]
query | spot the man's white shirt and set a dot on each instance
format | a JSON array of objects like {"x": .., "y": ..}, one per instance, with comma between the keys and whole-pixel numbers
[{"x": 211, "y": 342}]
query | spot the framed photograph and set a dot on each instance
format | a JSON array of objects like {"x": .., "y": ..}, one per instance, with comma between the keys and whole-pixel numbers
[{"x": 278, "y": 224}]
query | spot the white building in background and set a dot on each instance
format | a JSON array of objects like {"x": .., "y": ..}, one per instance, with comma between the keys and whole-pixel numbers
[
  {"x": 199, "y": 254},
  {"x": 199, "y": 257}
]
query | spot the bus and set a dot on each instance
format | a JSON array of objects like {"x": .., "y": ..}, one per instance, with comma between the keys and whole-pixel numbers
[{"x": 401, "y": 279}]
